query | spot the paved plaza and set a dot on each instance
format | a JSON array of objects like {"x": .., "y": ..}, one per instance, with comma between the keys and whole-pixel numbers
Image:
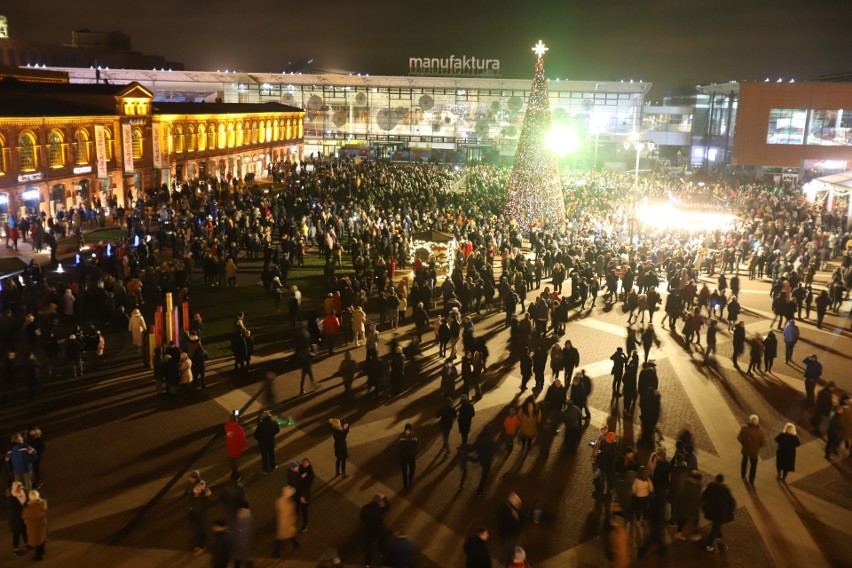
[{"x": 118, "y": 455}]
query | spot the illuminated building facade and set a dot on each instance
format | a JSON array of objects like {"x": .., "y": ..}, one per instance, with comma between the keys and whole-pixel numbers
[
  {"x": 408, "y": 117},
  {"x": 63, "y": 145}
]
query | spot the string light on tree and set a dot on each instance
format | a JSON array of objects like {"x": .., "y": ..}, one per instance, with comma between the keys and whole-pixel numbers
[{"x": 534, "y": 195}]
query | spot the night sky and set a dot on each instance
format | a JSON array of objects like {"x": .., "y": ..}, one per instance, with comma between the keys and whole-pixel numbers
[{"x": 675, "y": 44}]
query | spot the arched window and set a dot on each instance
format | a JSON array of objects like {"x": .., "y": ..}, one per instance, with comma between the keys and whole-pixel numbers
[
  {"x": 178, "y": 143},
  {"x": 137, "y": 144},
  {"x": 231, "y": 137},
  {"x": 190, "y": 140},
  {"x": 268, "y": 137},
  {"x": 254, "y": 132},
  {"x": 108, "y": 144},
  {"x": 211, "y": 137},
  {"x": 26, "y": 149},
  {"x": 239, "y": 134},
  {"x": 223, "y": 140},
  {"x": 2, "y": 156},
  {"x": 81, "y": 139},
  {"x": 261, "y": 133},
  {"x": 202, "y": 137},
  {"x": 55, "y": 150},
  {"x": 289, "y": 135},
  {"x": 275, "y": 133}
]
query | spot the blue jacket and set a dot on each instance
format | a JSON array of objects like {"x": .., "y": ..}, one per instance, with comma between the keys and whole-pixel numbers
[
  {"x": 791, "y": 333},
  {"x": 19, "y": 460}
]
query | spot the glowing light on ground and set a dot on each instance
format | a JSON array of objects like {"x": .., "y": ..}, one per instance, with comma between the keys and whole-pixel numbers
[{"x": 663, "y": 216}]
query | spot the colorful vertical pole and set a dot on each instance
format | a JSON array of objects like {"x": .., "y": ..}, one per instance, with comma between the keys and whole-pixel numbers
[
  {"x": 169, "y": 329},
  {"x": 158, "y": 320},
  {"x": 152, "y": 344},
  {"x": 186, "y": 316},
  {"x": 175, "y": 326}
]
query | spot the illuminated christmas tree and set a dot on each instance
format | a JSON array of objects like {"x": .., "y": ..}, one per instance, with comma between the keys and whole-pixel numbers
[{"x": 534, "y": 194}]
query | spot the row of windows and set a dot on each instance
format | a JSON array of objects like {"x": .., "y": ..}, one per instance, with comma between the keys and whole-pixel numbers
[
  {"x": 233, "y": 135},
  {"x": 814, "y": 127},
  {"x": 200, "y": 138},
  {"x": 56, "y": 146}
]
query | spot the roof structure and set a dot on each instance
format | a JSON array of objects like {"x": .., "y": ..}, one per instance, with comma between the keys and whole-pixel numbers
[{"x": 219, "y": 108}]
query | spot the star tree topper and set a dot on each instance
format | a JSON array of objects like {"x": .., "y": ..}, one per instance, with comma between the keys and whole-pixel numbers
[{"x": 540, "y": 49}]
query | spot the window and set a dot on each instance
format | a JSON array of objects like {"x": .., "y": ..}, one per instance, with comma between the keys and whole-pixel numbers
[
  {"x": 178, "y": 141},
  {"x": 55, "y": 153},
  {"x": 26, "y": 147},
  {"x": 222, "y": 136},
  {"x": 239, "y": 140},
  {"x": 108, "y": 144},
  {"x": 268, "y": 137},
  {"x": 202, "y": 137},
  {"x": 81, "y": 139},
  {"x": 2, "y": 154},
  {"x": 190, "y": 140},
  {"x": 254, "y": 133},
  {"x": 786, "y": 126},
  {"x": 276, "y": 133},
  {"x": 137, "y": 144},
  {"x": 261, "y": 133},
  {"x": 211, "y": 137},
  {"x": 830, "y": 128},
  {"x": 231, "y": 137}
]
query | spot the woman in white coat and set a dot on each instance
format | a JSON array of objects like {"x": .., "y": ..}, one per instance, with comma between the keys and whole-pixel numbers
[
  {"x": 137, "y": 328},
  {"x": 359, "y": 320},
  {"x": 185, "y": 370}
]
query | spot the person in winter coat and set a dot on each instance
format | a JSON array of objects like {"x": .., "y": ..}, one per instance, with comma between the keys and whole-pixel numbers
[
  {"x": 465, "y": 418},
  {"x": 220, "y": 545},
  {"x": 579, "y": 396},
  {"x": 373, "y": 516},
  {"x": 519, "y": 559},
  {"x": 486, "y": 448},
  {"x": 399, "y": 550},
  {"x": 359, "y": 322},
  {"x": 17, "y": 500},
  {"x": 751, "y": 438},
  {"x": 241, "y": 535},
  {"x": 770, "y": 351},
  {"x": 526, "y": 367},
  {"x": 235, "y": 440},
  {"x": 530, "y": 416},
  {"x": 35, "y": 519},
  {"x": 339, "y": 431},
  {"x": 137, "y": 329},
  {"x": 267, "y": 429},
  {"x": 407, "y": 444},
  {"x": 446, "y": 416},
  {"x": 198, "y": 501},
  {"x": 285, "y": 521},
  {"x": 476, "y": 550},
  {"x": 689, "y": 511},
  {"x": 185, "y": 370},
  {"x": 718, "y": 505},
  {"x": 785, "y": 456},
  {"x": 823, "y": 407},
  {"x": 510, "y": 521}
]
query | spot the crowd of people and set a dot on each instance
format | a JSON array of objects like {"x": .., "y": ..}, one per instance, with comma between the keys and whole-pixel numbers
[{"x": 360, "y": 218}]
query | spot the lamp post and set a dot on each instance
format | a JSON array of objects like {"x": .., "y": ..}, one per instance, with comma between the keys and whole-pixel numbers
[{"x": 635, "y": 143}]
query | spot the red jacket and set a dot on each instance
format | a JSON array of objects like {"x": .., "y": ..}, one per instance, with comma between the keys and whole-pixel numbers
[
  {"x": 235, "y": 438},
  {"x": 331, "y": 324}
]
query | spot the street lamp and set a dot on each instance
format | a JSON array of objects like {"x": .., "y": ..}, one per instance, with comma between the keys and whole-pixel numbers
[{"x": 635, "y": 143}]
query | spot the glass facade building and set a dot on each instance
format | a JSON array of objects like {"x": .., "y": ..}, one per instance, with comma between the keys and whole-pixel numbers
[{"x": 462, "y": 118}]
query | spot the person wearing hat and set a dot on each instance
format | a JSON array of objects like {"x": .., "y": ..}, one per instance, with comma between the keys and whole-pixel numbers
[
  {"x": 519, "y": 559},
  {"x": 286, "y": 520},
  {"x": 198, "y": 357},
  {"x": 185, "y": 369},
  {"x": 137, "y": 328},
  {"x": 823, "y": 407},
  {"x": 235, "y": 440},
  {"x": 267, "y": 429},
  {"x": 407, "y": 444}
]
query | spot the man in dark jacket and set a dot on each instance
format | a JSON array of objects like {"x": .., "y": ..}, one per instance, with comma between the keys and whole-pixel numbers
[
  {"x": 407, "y": 444},
  {"x": 486, "y": 447},
  {"x": 373, "y": 517},
  {"x": 718, "y": 505},
  {"x": 465, "y": 418},
  {"x": 233, "y": 496},
  {"x": 476, "y": 550},
  {"x": 572, "y": 418},
  {"x": 265, "y": 433},
  {"x": 220, "y": 545},
  {"x": 446, "y": 417},
  {"x": 399, "y": 551}
]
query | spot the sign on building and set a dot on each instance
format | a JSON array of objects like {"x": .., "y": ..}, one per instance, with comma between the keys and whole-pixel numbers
[
  {"x": 127, "y": 147},
  {"x": 451, "y": 66}
]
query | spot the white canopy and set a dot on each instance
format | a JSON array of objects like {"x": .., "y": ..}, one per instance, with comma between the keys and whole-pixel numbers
[{"x": 829, "y": 187}]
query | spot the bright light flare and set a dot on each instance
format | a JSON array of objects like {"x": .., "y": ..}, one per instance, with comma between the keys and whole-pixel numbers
[
  {"x": 561, "y": 140},
  {"x": 665, "y": 216}
]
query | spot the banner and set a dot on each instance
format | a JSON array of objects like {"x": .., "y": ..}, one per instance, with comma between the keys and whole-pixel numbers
[
  {"x": 156, "y": 140},
  {"x": 127, "y": 147},
  {"x": 100, "y": 151}
]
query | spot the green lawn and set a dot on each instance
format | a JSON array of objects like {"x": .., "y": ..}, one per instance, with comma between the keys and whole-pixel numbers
[
  {"x": 11, "y": 265},
  {"x": 108, "y": 234}
]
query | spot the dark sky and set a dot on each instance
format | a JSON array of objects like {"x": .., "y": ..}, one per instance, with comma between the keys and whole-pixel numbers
[{"x": 671, "y": 43}]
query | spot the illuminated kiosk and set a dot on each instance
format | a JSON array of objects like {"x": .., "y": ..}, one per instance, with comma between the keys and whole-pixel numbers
[
  {"x": 829, "y": 188},
  {"x": 434, "y": 245}
]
